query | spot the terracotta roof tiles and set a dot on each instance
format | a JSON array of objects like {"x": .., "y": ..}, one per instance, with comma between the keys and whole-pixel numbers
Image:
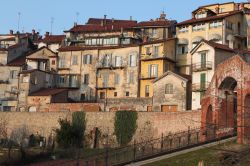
[{"x": 48, "y": 92}]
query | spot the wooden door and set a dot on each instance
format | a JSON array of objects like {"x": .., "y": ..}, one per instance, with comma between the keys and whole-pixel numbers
[{"x": 169, "y": 108}]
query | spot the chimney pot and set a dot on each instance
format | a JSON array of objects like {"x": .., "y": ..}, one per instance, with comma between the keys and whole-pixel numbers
[
  {"x": 131, "y": 18},
  {"x": 75, "y": 24},
  {"x": 11, "y": 32},
  {"x": 46, "y": 34},
  {"x": 33, "y": 31}
]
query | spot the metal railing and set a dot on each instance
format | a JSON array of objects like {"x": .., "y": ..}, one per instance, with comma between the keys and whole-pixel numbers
[
  {"x": 199, "y": 87},
  {"x": 202, "y": 66},
  {"x": 153, "y": 148}
]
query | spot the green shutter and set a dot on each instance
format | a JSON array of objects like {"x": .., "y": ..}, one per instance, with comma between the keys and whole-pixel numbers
[{"x": 202, "y": 81}]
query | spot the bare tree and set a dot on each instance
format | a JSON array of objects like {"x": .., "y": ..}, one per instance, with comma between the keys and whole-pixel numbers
[{"x": 3, "y": 127}]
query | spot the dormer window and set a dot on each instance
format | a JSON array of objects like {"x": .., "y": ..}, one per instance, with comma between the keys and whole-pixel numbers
[{"x": 201, "y": 15}]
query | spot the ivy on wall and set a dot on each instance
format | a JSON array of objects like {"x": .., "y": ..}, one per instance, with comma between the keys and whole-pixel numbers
[{"x": 125, "y": 126}]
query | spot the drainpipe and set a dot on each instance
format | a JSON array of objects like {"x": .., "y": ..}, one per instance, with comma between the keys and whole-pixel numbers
[{"x": 139, "y": 72}]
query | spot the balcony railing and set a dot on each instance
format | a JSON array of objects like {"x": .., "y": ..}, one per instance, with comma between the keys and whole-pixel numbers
[
  {"x": 200, "y": 87},
  {"x": 202, "y": 66},
  {"x": 110, "y": 66},
  {"x": 101, "y": 86},
  {"x": 143, "y": 77}
]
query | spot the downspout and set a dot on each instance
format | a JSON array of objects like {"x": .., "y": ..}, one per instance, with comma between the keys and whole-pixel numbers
[{"x": 139, "y": 73}]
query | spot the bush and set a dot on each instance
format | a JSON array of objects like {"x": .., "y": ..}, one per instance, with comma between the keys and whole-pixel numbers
[
  {"x": 125, "y": 126},
  {"x": 71, "y": 134}
]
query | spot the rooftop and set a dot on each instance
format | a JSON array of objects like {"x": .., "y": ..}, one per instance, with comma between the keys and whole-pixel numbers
[
  {"x": 48, "y": 92},
  {"x": 53, "y": 39}
]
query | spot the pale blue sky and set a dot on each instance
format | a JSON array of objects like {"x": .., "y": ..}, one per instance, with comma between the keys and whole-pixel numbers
[{"x": 37, "y": 14}]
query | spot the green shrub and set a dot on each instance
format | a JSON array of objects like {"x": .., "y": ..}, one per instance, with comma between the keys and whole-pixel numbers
[
  {"x": 71, "y": 134},
  {"x": 125, "y": 126}
]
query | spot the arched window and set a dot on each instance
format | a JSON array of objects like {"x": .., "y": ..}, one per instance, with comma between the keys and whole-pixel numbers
[{"x": 169, "y": 89}]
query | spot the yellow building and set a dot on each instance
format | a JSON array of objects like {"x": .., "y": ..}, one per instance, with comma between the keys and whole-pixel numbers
[
  {"x": 156, "y": 58},
  {"x": 221, "y": 23}
]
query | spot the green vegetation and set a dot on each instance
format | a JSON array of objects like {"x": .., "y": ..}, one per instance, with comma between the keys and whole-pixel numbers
[
  {"x": 212, "y": 156},
  {"x": 125, "y": 126},
  {"x": 71, "y": 134}
]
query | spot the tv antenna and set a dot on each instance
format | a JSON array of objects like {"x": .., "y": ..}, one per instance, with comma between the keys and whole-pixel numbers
[
  {"x": 18, "y": 23},
  {"x": 51, "y": 24},
  {"x": 77, "y": 15}
]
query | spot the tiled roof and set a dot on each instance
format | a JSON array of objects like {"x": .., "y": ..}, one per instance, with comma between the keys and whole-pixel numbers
[
  {"x": 216, "y": 17},
  {"x": 186, "y": 77},
  {"x": 156, "y": 23},
  {"x": 48, "y": 92},
  {"x": 20, "y": 61},
  {"x": 108, "y": 21},
  {"x": 99, "y": 28},
  {"x": 53, "y": 39},
  {"x": 156, "y": 41},
  {"x": 79, "y": 48},
  {"x": 10, "y": 47}
]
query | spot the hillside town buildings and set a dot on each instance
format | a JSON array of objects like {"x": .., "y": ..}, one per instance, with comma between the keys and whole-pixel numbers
[{"x": 111, "y": 64}]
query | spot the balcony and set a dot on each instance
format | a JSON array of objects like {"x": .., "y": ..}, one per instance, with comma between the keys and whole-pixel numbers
[
  {"x": 202, "y": 66},
  {"x": 110, "y": 66},
  {"x": 151, "y": 77},
  {"x": 107, "y": 86},
  {"x": 4, "y": 81},
  {"x": 147, "y": 57},
  {"x": 200, "y": 87}
]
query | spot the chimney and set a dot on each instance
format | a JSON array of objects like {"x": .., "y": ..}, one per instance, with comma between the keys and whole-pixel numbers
[
  {"x": 33, "y": 31},
  {"x": 17, "y": 37},
  {"x": 162, "y": 16},
  {"x": 241, "y": 6},
  {"x": 46, "y": 34},
  {"x": 11, "y": 32},
  {"x": 217, "y": 10},
  {"x": 105, "y": 20}
]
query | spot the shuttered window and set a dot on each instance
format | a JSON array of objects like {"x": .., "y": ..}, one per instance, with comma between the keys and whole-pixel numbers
[{"x": 169, "y": 89}]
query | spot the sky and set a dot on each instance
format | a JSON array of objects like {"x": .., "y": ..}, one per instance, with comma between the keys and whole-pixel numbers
[{"x": 39, "y": 14}]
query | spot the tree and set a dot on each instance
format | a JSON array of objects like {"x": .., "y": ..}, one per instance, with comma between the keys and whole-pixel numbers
[
  {"x": 71, "y": 134},
  {"x": 125, "y": 126}
]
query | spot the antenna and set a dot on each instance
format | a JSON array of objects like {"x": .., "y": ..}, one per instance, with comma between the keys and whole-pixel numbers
[
  {"x": 51, "y": 24},
  {"x": 77, "y": 15},
  {"x": 18, "y": 24}
]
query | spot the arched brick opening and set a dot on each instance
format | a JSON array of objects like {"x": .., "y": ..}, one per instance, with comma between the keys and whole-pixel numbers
[
  {"x": 247, "y": 118},
  {"x": 229, "y": 95}
]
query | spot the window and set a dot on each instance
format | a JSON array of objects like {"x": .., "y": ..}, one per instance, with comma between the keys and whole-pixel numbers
[
  {"x": 182, "y": 49},
  {"x": 87, "y": 59},
  {"x": 102, "y": 95},
  {"x": 74, "y": 60},
  {"x": 147, "y": 91},
  {"x": 156, "y": 51},
  {"x": 203, "y": 59},
  {"x": 118, "y": 61},
  {"x": 131, "y": 78},
  {"x": 83, "y": 96},
  {"x": 169, "y": 89},
  {"x": 166, "y": 67},
  {"x": 154, "y": 32},
  {"x": 148, "y": 51},
  {"x": 110, "y": 41},
  {"x": 183, "y": 29},
  {"x": 199, "y": 27},
  {"x": 153, "y": 71},
  {"x": 203, "y": 81},
  {"x": 117, "y": 79},
  {"x": 106, "y": 61},
  {"x": 53, "y": 62},
  {"x": 215, "y": 24},
  {"x": 61, "y": 79},
  {"x": 201, "y": 15},
  {"x": 133, "y": 61},
  {"x": 13, "y": 74},
  {"x": 115, "y": 94},
  {"x": 229, "y": 25},
  {"x": 86, "y": 79},
  {"x": 127, "y": 94},
  {"x": 62, "y": 62}
]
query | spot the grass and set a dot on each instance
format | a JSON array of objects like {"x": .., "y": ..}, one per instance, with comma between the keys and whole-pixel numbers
[{"x": 210, "y": 156}]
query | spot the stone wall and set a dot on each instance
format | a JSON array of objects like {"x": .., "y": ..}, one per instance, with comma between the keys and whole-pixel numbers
[
  {"x": 150, "y": 124},
  {"x": 134, "y": 104}
]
